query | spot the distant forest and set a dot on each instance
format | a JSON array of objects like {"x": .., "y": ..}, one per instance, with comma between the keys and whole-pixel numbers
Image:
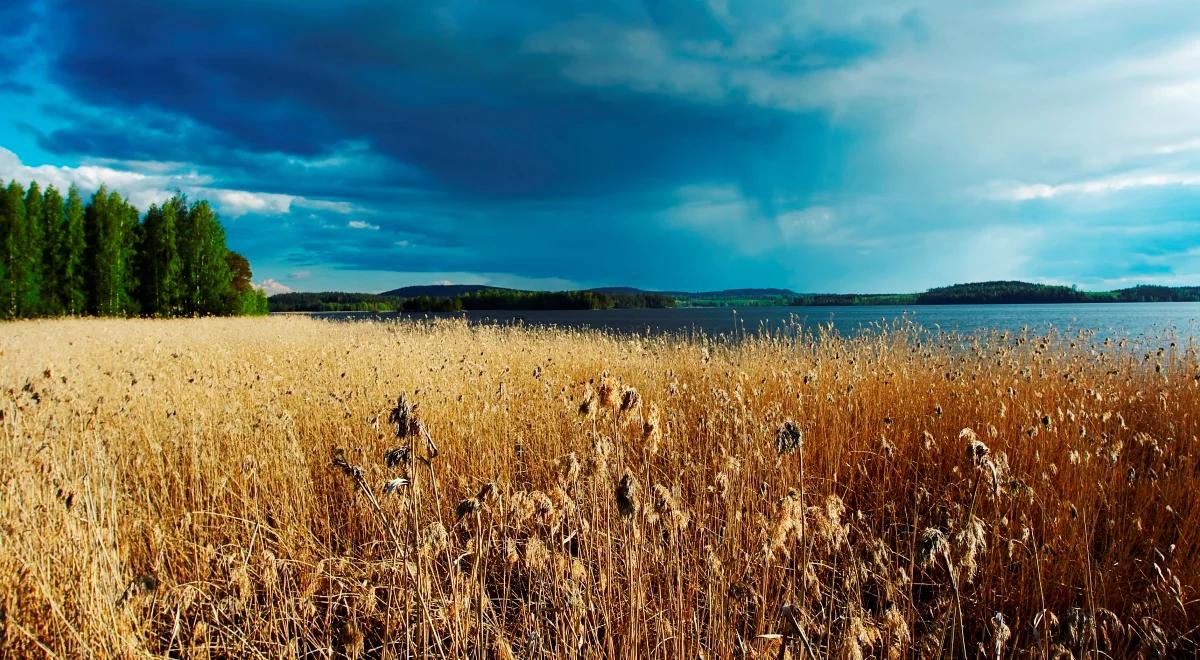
[
  {"x": 1005, "y": 292},
  {"x": 60, "y": 256},
  {"x": 489, "y": 299},
  {"x": 486, "y": 298}
]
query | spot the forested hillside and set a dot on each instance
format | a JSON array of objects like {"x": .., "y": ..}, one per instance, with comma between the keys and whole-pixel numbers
[{"x": 481, "y": 298}]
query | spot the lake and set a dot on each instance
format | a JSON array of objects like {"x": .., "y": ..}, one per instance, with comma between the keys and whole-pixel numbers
[{"x": 1106, "y": 319}]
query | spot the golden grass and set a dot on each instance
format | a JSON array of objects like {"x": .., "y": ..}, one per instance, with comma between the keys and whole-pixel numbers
[{"x": 170, "y": 488}]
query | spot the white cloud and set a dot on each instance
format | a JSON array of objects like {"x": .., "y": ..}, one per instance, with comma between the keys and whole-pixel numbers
[
  {"x": 727, "y": 215},
  {"x": 150, "y": 182},
  {"x": 998, "y": 94},
  {"x": 1022, "y": 192},
  {"x": 140, "y": 188},
  {"x": 324, "y": 205},
  {"x": 359, "y": 224},
  {"x": 299, "y": 274},
  {"x": 237, "y": 203},
  {"x": 815, "y": 224},
  {"x": 273, "y": 286},
  {"x": 954, "y": 94}
]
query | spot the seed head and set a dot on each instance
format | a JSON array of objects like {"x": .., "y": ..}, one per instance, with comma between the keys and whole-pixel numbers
[
  {"x": 788, "y": 438},
  {"x": 433, "y": 538},
  {"x": 587, "y": 407},
  {"x": 486, "y": 493},
  {"x": 971, "y": 540},
  {"x": 340, "y": 462},
  {"x": 933, "y": 545},
  {"x": 398, "y": 455},
  {"x": 651, "y": 431},
  {"x": 607, "y": 392},
  {"x": 630, "y": 401},
  {"x": 667, "y": 510},
  {"x": 1000, "y": 635},
  {"x": 627, "y": 496},
  {"x": 568, "y": 469},
  {"x": 404, "y": 417},
  {"x": 977, "y": 452},
  {"x": 467, "y": 507}
]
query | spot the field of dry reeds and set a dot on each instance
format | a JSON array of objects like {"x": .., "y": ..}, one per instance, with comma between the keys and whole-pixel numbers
[{"x": 288, "y": 487}]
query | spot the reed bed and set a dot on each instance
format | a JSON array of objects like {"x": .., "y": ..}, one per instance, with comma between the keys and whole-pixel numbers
[{"x": 287, "y": 487}]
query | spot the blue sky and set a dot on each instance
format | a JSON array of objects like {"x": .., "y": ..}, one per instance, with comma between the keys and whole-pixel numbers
[{"x": 819, "y": 145}]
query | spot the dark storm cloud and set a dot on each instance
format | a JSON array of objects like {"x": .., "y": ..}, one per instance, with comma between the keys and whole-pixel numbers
[
  {"x": 17, "y": 20},
  {"x": 442, "y": 124},
  {"x": 825, "y": 144},
  {"x": 454, "y": 95}
]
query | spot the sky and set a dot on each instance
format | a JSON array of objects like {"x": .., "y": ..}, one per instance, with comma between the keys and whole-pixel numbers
[{"x": 819, "y": 145}]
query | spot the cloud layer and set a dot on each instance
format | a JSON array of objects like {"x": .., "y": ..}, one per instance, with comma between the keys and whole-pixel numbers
[{"x": 818, "y": 145}]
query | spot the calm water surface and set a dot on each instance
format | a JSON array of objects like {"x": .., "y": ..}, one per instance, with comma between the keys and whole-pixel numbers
[{"x": 1134, "y": 320}]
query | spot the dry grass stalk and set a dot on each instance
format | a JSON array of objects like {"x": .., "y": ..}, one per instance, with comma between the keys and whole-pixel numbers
[{"x": 166, "y": 489}]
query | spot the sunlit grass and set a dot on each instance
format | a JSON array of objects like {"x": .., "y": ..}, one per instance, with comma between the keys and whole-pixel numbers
[{"x": 246, "y": 487}]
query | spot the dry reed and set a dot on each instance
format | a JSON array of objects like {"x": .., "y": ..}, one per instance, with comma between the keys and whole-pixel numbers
[{"x": 166, "y": 488}]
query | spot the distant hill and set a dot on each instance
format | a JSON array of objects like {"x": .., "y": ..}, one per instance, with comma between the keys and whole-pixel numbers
[
  {"x": 723, "y": 293},
  {"x": 1016, "y": 292},
  {"x": 746, "y": 293},
  {"x": 440, "y": 290},
  {"x": 1000, "y": 292},
  {"x": 457, "y": 297},
  {"x": 623, "y": 290},
  {"x": 724, "y": 296}
]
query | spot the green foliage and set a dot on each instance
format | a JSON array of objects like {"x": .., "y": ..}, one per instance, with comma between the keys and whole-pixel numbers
[
  {"x": 977, "y": 293},
  {"x": 251, "y": 302},
  {"x": 1146, "y": 293},
  {"x": 12, "y": 241},
  {"x": 1000, "y": 292},
  {"x": 334, "y": 301},
  {"x": 70, "y": 254},
  {"x": 483, "y": 299},
  {"x": 32, "y": 253},
  {"x": 430, "y": 304},
  {"x": 842, "y": 299},
  {"x": 21, "y": 244},
  {"x": 111, "y": 229},
  {"x": 205, "y": 275},
  {"x": 64, "y": 257},
  {"x": 242, "y": 298},
  {"x": 159, "y": 264},
  {"x": 54, "y": 234}
]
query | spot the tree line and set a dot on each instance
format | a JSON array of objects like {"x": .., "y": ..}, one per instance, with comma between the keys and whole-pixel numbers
[
  {"x": 486, "y": 299},
  {"x": 62, "y": 256},
  {"x": 1006, "y": 292}
]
